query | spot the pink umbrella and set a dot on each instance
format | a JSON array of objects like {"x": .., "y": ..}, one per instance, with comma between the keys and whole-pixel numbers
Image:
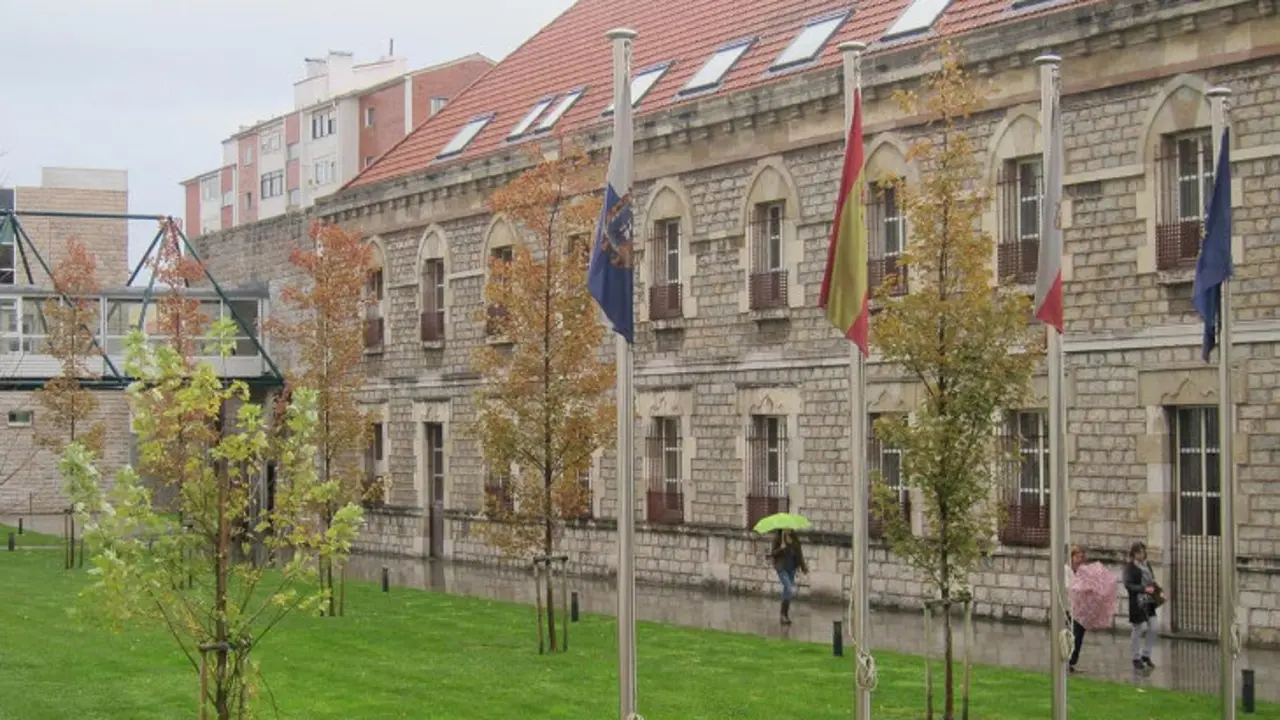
[{"x": 1093, "y": 596}]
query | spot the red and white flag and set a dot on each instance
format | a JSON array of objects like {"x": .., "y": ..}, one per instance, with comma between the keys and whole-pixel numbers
[{"x": 1048, "y": 301}]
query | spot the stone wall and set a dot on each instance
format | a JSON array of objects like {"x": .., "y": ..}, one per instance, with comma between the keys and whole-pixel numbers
[{"x": 29, "y": 477}]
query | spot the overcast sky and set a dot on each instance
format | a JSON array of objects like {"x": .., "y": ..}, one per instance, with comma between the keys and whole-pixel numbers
[{"x": 154, "y": 86}]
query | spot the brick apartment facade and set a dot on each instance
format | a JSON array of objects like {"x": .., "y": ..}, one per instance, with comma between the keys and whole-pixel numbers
[
  {"x": 345, "y": 116},
  {"x": 749, "y": 389}
]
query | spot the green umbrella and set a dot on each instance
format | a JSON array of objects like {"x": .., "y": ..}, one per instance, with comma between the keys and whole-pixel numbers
[{"x": 781, "y": 521}]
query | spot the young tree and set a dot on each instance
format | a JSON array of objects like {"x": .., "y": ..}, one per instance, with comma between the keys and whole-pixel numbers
[
  {"x": 544, "y": 407},
  {"x": 195, "y": 579},
  {"x": 69, "y": 322},
  {"x": 328, "y": 337},
  {"x": 967, "y": 345}
]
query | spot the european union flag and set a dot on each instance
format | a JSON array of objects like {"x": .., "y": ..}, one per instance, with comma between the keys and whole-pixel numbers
[
  {"x": 1214, "y": 265},
  {"x": 611, "y": 276}
]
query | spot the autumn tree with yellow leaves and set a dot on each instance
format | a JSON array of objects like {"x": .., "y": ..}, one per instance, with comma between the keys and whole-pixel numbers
[
  {"x": 70, "y": 318},
  {"x": 327, "y": 332},
  {"x": 966, "y": 343},
  {"x": 544, "y": 405}
]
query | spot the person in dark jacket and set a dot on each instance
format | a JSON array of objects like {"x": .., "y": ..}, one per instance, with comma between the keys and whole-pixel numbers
[
  {"x": 787, "y": 558},
  {"x": 1140, "y": 581}
]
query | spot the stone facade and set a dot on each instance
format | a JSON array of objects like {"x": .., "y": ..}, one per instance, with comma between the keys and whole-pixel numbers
[{"x": 1139, "y": 399}]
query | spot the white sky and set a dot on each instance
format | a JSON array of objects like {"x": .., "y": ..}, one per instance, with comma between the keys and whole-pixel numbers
[{"x": 153, "y": 86}]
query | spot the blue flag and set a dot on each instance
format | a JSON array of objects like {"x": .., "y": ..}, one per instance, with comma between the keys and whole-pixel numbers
[
  {"x": 611, "y": 276},
  {"x": 1214, "y": 265}
]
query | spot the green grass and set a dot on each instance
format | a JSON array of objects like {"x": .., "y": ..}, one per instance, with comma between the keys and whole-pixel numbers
[
  {"x": 27, "y": 538},
  {"x": 412, "y": 654}
]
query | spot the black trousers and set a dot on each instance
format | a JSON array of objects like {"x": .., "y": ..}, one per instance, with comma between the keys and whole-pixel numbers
[{"x": 1078, "y": 631}]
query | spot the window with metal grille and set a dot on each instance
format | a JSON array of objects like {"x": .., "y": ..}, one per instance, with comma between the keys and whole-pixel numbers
[
  {"x": 1024, "y": 481},
  {"x": 887, "y": 228},
  {"x": 1197, "y": 471},
  {"x": 665, "y": 292},
  {"x": 885, "y": 463},
  {"x": 766, "y": 467},
  {"x": 432, "y": 320},
  {"x": 1185, "y": 181},
  {"x": 664, "y": 496},
  {"x": 374, "y": 324},
  {"x": 1020, "y": 190},
  {"x": 768, "y": 283},
  {"x": 497, "y": 314}
]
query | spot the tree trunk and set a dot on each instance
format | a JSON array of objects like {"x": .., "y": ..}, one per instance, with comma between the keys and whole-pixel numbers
[
  {"x": 949, "y": 706},
  {"x": 551, "y": 605},
  {"x": 222, "y": 698}
]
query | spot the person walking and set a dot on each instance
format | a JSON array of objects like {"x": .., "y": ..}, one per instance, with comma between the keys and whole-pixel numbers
[
  {"x": 788, "y": 557},
  {"x": 1077, "y": 630},
  {"x": 1144, "y": 594}
]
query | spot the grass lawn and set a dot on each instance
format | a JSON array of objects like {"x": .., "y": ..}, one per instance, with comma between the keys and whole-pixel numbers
[
  {"x": 412, "y": 654},
  {"x": 28, "y": 538}
]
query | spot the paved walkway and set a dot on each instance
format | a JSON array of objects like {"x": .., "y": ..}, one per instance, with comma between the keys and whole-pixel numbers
[{"x": 1180, "y": 664}]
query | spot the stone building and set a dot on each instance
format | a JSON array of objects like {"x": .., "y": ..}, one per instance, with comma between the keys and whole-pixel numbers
[{"x": 742, "y": 385}]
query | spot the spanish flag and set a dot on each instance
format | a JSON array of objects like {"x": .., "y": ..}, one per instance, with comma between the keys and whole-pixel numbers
[{"x": 845, "y": 289}]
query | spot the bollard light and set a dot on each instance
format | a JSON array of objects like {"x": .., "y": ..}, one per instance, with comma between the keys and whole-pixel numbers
[
  {"x": 386, "y": 580},
  {"x": 12, "y": 542},
  {"x": 837, "y": 638},
  {"x": 19, "y": 526},
  {"x": 573, "y": 606},
  {"x": 1246, "y": 690}
]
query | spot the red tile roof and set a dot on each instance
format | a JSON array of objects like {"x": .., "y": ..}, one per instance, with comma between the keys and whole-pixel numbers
[{"x": 573, "y": 52}]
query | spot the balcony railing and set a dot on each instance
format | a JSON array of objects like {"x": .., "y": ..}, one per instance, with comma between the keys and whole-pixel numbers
[
  {"x": 1178, "y": 244},
  {"x": 496, "y": 318},
  {"x": 888, "y": 267},
  {"x": 768, "y": 290},
  {"x": 665, "y": 302},
  {"x": 1017, "y": 261},
  {"x": 1026, "y": 518},
  {"x": 497, "y": 495},
  {"x": 431, "y": 326},
  {"x": 373, "y": 328}
]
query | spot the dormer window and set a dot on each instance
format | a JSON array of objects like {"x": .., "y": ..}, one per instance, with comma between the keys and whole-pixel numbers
[
  {"x": 919, "y": 16},
  {"x": 642, "y": 83},
  {"x": 721, "y": 62},
  {"x": 525, "y": 123},
  {"x": 809, "y": 43},
  {"x": 560, "y": 109},
  {"x": 464, "y": 137}
]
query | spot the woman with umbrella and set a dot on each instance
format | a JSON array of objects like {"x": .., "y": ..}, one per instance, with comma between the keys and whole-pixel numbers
[
  {"x": 1077, "y": 630},
  {"x": 1092, "y": 593},
  {"x": 787, "y": 555}
]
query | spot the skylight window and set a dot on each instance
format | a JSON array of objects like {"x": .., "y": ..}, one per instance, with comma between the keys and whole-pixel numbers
[
  {"x": 721, "y": 62},
  {"x": 533, "y": 115},
  {"x": 465, "y": 136},
  {"x": 918, "y": 17},
  {"x": 641, "y": 84},
  {"x": 810, "y": 42},
  {"x": 560, "y": 109}
]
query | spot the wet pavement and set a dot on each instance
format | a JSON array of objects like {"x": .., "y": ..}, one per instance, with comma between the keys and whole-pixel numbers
[{"x": 1187, "y": 665}]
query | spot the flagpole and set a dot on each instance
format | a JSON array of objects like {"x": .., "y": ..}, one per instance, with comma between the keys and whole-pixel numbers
[
  {"x": 860, "y": 629},
  {"x": 621, "y": 39},
  {"x": 1049, "y": 96},
  {"x": 1227, "y": 640}
]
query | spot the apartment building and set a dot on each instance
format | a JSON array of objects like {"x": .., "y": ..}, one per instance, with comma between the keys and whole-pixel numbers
[
  {"x": 742, "y": 386},
  {"x": 344, "y": 116}
]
